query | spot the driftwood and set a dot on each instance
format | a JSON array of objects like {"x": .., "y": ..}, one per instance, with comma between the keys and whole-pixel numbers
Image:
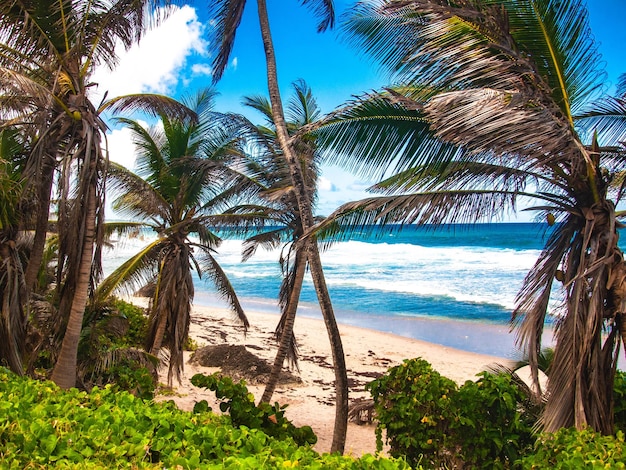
[{"x": 361, "y": 411}]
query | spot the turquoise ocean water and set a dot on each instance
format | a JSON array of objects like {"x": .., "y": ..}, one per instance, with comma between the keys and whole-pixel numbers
[{"x": 455, "y": 286}]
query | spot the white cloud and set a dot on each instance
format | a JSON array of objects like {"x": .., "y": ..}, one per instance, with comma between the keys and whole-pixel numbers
[
  {"x": 324, "y": 184},
  {"x": 234, "y": 63},
  {"x": 121, "y": 147},
  {"x": 202, "y": 69},
  {"x": 156, "y": 63}
]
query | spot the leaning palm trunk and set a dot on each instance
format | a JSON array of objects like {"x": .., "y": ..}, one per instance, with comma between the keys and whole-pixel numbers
[
  {"x": 286, "y": 328},
  {"x": 595, "y": 271},
  {"x": 339, "y": 360},
  {"x": 306, "y": 214}
]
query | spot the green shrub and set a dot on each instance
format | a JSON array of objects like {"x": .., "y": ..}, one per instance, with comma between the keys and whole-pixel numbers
[
  {"x": 137, "y": 323},
  {"x": 133, "y": 378},
  {"x": 619, "y": 401},
  {"x": 429, "y": 420},
  {"x": 569, "y": 449},
  {"x": 239, "y": 404},
  {"x": 491, "y": 428},
  {"x": 45, "y": 427},
  {"x": 413, "y": 406}
]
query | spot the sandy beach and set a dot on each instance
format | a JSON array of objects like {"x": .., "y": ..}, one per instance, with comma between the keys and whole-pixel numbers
[{"x": 311, "y": 402}]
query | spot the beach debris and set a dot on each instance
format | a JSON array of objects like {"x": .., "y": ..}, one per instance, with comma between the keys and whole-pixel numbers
[
  {"x": 237, "y": 362},
  {"x": 361, "y": 411}
]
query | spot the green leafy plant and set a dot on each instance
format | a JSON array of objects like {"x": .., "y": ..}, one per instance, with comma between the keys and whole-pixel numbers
[
  {"x": 429, "y": 420},
  {"x": 44, "y": 426},
  {"x": 492, "y": 426},
  {"x": 619, "y": 401},
  {"x": 569, "y": 448},
  {"x": 413, "y": 407},
  {"x": 238, "y": 402}
]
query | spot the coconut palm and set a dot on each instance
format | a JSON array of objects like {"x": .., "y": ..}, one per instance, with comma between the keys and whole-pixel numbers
[
  {"x": 487, "y": 114},
  {"x": 48, "y": 52},
  {"x": 12, "y": 288},
  {"x": 227, "y": 17},
  {"x": 181, "y": 188},
  {"x": 270, "y": 171}
]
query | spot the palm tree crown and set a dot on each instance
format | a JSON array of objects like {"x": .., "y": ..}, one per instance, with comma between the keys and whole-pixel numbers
[
  {"x": 181, "y": 188},
  {"x": 488, "y": 112}
]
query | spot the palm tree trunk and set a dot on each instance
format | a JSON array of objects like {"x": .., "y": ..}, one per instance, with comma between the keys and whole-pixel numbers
[
  {"x": 64, "y": 373},
  {"x": 287, "y": 332},
  {"x": 339, "y": 360},
  {"x": 305, "y": 209},
  {"x": 41, "y": 227},
  {"x": 580, "y": 388}
]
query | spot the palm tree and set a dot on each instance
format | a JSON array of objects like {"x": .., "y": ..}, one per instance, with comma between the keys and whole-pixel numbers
[
  {"x": 488, "y": 113},
  {"x": 269, "y": 170},
  {"x": 181, "y": 189},
  {"x": 12, "y": 288},
  {"x": 227, "y": 15},
  {"x": 48, "y": 51}
]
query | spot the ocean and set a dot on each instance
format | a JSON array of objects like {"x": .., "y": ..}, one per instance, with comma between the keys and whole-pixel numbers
[{"x": 455, "y": 286}]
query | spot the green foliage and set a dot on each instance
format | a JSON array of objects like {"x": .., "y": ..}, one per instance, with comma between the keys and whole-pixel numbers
[
  {"x": 619, "y": 400},
  {"x": 429, "y": 420},
  {"x": 492, "y": 426},
  {"x": 569, "y": 448},
  {"x": 46, "y": 427},
  {"x": 190, "y": 344},
  {"x": 131, "y": 377},
  {"x": 413, "y": 406},
  {"x": 239, "y": 403},
  {"x": 111, "y": 349},
  {"x": 137, "y": 322}
]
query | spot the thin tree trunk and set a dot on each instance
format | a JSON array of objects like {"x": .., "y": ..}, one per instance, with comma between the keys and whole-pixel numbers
[
  {"x": 287, "y": 332},
  {"x": 339, "y": 360},
  {"x": 303, "y": 199},
  {"x": 64, "y": 373},
  {"x": 41, "y": 228}
]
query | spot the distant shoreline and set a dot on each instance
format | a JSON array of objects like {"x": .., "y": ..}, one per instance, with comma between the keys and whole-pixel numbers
[{"x": 473, "y": 336}]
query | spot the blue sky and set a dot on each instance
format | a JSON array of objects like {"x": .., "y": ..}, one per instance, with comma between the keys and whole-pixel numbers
[{"x": 174, "y": 59}]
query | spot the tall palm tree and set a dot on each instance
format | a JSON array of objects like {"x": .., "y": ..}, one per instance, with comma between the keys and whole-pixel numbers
[
  {"x": 181, "y": 188},
  {"x": 227, "y": 15},
  {"x": 270, "y": 171},
  {"x": 489, "y": 111},
  {"x": 12, "y": 288},
  {"x": 48, "y": 52}
]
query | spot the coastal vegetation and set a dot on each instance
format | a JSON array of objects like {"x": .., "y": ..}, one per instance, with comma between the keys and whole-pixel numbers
[
  {"x": 496, "y": 102},
  {"x": 184, "y": 181},
  {"x": 227, "y": 14}
]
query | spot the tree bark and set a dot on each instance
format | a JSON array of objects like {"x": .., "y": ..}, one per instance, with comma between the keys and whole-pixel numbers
[
  {"x": 64, "y": 373},
  {"x": 287, "y": 333},
  {"x": 305, "y": 209},
  {"x": 41, "y": 228},
  {"x": 339, "y": 360}
]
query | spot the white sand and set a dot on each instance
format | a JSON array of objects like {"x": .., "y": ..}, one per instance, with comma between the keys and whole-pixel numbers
[{"x": 312, "y": 402}]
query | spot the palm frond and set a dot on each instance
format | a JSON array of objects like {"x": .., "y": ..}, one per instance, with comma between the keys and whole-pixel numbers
[
  {"x": 606, "y": 118},
  {"x": 269, "y": 240},
  {"x": 324, "y": 10},
  {"x": 137, "y": 197},
  {"x": 302, "y": 108},
  {"x": 209, "y": 267},
  {"x": 152, "y": 104},
  {"x": 133, "y": 273},
  {"x": 226, "y": 16},
  {"x": 365, "y": 133},
  {"x": 436, "y": 207}
]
